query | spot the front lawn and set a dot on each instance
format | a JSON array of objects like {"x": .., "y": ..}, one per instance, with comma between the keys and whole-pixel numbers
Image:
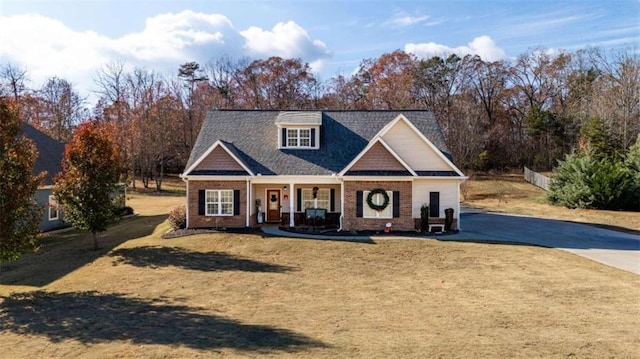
[{"x": 243, "y": 295}]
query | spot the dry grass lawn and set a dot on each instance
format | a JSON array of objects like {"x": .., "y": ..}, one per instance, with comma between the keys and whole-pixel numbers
[{"x": 243, "y": 295}]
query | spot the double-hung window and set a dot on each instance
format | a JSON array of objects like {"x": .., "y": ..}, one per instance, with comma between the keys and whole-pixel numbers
[
  {"x": 321, "y": 201},
  {"x": 378, "y": 200},
  {"x": 219, "y": 202},
  {"x": 298, "y": 137}
]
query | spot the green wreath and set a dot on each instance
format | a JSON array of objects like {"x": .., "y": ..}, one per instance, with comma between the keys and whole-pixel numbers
[{"x": 378, "y": 207}]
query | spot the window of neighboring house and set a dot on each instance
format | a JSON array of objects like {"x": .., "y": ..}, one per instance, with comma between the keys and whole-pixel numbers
[
  {"x": 54, "y": 209},
  {"x": 298, "y": 137},
  {"x": 219, "y": 202},
  {"x": 322, "y": 199},
  {"x": 377, "y": 199}
]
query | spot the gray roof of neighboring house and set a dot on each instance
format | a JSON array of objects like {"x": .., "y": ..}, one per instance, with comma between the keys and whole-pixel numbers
[
  {"x": 50, "y": 153},
  {"x": 253, "y": 135}
]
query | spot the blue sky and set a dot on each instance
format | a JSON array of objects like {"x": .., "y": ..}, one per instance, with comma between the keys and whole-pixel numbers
[{"x": 73, "y": 39}]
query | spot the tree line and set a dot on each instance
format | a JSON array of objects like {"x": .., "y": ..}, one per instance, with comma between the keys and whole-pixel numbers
[{"x": 531, "y": 110}]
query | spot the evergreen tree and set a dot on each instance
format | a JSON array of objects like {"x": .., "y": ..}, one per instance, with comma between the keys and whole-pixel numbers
[
  {"x": 587, "y": 182},
  {"x": 632, "y": 161}
]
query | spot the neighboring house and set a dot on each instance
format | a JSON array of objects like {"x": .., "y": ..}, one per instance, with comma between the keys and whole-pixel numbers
[
  {"x": 50, "y": 154},
  {"x": 363, "y": 168}
]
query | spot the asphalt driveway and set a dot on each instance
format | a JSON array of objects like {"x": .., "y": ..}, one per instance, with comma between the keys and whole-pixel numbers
[{"x": 616, "y": 249}]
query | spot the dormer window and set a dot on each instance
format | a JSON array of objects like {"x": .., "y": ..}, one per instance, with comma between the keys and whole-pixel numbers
[
  {"x": 299, "y": 137},
  {"x": 299, "y": 129}
]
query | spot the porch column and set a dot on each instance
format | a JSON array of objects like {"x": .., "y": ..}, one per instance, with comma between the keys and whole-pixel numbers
[
  {"x": 458, "y": 209},
  {"x": 292, "y": 206},
  {"x": 341, "y": 204},
  {"x": 248, "y": 196}
]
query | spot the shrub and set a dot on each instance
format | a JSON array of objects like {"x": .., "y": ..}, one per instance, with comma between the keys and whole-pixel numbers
[
  {"x": 568, "y": 186},
  {"x": 586, "y": 182},
  {"x": 178, "y": 217},
  {"x": 424, "y": 217}
]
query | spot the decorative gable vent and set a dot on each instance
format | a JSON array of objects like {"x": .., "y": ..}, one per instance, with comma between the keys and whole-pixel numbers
[{"x": 299, "y": 129}]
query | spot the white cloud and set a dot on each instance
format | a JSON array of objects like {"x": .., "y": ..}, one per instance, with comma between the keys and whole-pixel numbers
[
  {"x": 287, "y": 40},
  {"x": 482, "y": 46},
  {"x": 402, "y": 19},
  {"x": 408, "y": 20},
  {"x": 178, "y": 36},
  {"x": 46, "y": 47}
]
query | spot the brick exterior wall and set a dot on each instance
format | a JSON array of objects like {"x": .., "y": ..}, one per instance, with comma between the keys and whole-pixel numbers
[
  {"x": 378, "y": 158},
  {"x": 351, "y": 222},
  {"x": 198, "y": 221}
]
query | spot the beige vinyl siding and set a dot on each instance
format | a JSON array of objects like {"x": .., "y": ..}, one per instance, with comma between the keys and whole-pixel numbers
[
  {"x": 413, "y": 150},
  {"x": 219, "y": 160},
  {"x": 448, "y": 194}
]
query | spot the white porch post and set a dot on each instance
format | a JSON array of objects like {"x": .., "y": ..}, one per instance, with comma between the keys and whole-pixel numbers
[
  {"x": 458, "y": 214},
  {"x": 292, "y": 201},
  {"x": 248, "y": 223},
  {"x": 341, "y": 204},
  {"x": 187, "y": 204}
]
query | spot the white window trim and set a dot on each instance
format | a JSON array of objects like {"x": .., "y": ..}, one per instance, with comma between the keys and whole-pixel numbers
[
  {"x": 367, "y": 212},
  {"x": 53, "y": 205},
  {"x": 314, "y": 137},
  {"x": 298, "y": 137},
  {"x": 307, "y": 195},
  {"x": 219, "y": 202}
]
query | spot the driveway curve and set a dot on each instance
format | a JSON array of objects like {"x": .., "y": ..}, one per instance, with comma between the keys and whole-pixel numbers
[{"x": 616, "y": 249}]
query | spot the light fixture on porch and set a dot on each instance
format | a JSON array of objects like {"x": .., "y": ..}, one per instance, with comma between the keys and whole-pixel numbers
[{"x": 284, "y": 188}]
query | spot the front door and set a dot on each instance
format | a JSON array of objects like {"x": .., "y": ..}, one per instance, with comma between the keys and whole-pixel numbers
[{"x": 273, "y": 205}]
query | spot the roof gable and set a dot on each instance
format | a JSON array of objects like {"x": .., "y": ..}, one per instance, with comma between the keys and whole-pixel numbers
[
  {"x": 220, "y": 159},
  {"x": 377, "y": 157},
  {"x": 415, "y": 148},
  {"x": 253, "y": 136}
]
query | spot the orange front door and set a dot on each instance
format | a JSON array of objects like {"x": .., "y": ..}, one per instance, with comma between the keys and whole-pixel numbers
[{"x": 273, "y": 205}]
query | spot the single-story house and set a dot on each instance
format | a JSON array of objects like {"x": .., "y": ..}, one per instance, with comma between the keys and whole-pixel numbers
[
  {"x": 357, "y": 170},
  {"x": 50, "y": 155}
]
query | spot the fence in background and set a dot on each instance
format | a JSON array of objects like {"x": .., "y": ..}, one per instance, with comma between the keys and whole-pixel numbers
[{"x": 536, "y": 179}]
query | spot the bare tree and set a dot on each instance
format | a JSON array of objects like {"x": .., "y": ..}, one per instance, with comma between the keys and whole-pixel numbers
[
  {"x": 13, "y": 78},
  {"x": 111, "y": 81},
  {"x": 63, "y": 108}
]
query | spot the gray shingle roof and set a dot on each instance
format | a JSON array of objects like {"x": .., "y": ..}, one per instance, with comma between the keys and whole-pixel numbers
[
  {"x": 343, "y": 135},
  {"x": 299, "y": 118},
  {"x": 50, "y": 153}
]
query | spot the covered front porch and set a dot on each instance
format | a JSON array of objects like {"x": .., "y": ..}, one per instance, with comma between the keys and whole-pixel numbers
[{"x": 299, "y": 202}]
